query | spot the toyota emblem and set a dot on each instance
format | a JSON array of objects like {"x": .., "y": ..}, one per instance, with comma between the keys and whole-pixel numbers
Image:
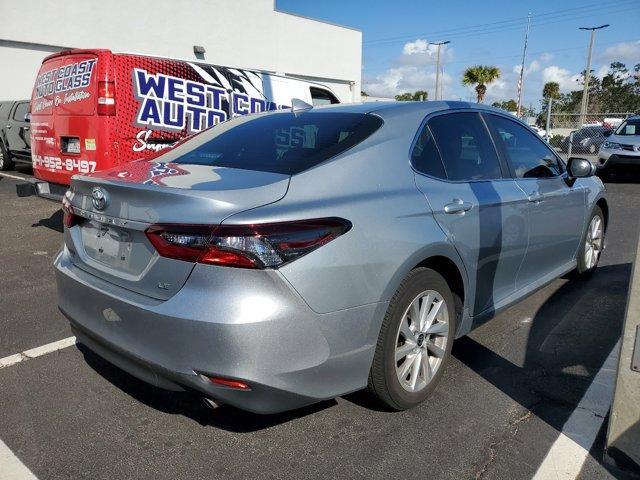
[{"x": 99, "y": 198}]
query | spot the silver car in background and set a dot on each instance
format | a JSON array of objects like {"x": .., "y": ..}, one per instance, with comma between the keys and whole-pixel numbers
[
  {"x": 280, "y": 259},
  {"x": 622, "y": 147}
]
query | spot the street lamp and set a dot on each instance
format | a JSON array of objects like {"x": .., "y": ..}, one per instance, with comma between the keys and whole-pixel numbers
[
  {"x": 585, "y": 93},
  {"x": 439, "y": 44}
]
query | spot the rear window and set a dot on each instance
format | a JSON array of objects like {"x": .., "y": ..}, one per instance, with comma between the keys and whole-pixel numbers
[{"x": 284, "y": 143}]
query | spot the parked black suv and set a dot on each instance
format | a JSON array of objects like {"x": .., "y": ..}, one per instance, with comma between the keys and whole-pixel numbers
[{"x": 15, "y": 141}]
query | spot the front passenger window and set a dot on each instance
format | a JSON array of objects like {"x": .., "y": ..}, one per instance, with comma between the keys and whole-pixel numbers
[{"x": 527, "y": 154}]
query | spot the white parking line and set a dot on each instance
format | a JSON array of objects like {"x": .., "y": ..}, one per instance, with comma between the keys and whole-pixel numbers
[
  {"x": 11, "y": 468},
  {"x": 12, "y": 176},
  {"x": 37, "y": 352},
  {"x": 569, "y": 452}
]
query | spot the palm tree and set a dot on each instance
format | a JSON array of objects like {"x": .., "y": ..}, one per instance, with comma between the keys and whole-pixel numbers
[
  {"x": 551, "y": 90},
  {"x": 480, "y": 76}
]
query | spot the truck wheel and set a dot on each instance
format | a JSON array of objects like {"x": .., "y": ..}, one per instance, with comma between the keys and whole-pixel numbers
[
  {"x": 5, "y": 161},
  {"x": 414, "y": 345}
]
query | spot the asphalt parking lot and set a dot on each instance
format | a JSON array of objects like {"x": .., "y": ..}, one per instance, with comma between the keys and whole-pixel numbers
[{"x": 513, "y": 386}]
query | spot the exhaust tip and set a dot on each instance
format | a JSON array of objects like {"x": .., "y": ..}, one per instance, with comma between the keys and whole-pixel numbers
[{"x": 212, "y": 404}]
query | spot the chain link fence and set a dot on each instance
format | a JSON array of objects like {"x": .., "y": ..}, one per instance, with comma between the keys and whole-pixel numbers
[{"x": 572, "y": 134}]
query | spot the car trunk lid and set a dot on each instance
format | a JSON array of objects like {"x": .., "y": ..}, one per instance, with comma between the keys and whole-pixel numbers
[{"x": 118, "y": 205}]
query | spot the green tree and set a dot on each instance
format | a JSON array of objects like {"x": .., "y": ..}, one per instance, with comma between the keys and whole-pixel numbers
[
  {"x": 412, "y": 97},
  {"x": 551, "y": 90},
  {"x": 420, "y": 95},
  {"x": 404, "y": 97},
  {"x": 508, "y": 105},
  {"x": 480, "y": 76}
]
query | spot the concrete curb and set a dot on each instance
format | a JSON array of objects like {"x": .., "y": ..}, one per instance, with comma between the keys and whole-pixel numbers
[{"x": 623, "y": 435}]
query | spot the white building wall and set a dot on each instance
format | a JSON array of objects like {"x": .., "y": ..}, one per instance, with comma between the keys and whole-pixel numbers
[{"x": 238, "y": 33}]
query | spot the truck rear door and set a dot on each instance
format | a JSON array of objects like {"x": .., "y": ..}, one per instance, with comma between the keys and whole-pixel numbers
[{"x": 66, "y": 129}]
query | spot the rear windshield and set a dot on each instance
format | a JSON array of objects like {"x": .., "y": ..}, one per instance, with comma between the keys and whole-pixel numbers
[
  {"x": 630, "y": 127},
  {"x": 284, "y": 143}
]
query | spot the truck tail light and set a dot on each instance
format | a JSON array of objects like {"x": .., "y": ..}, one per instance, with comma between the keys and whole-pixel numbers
[
  {"x": 267, "y": 245},
  {"x": 106, "y": 98}
]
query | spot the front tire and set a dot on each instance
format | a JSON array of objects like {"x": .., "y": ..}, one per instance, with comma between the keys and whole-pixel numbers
[
  {"x": 592, "y": 243},
  {"x": 5, "y": 161},
  {"x": 414, "y": 345}
]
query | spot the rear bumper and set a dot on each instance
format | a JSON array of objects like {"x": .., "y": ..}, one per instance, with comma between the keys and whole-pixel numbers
[
  {"x": 41, "y": 188},
  {"x": 248, "y": 325}
]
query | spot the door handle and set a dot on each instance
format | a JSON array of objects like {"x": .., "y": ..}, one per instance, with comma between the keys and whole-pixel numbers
[
  {"x": 457, "y": 206},
  {"x": 535, "y": 197},
  {"x": 9, "y": 126}
]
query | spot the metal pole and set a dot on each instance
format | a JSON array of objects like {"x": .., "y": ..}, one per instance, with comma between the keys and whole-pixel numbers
[
  {"x": 437, "y": 73},
  {"x": 524, "y": 57},
  {"x": 584, "y": 104},
  {"x": 548, "y": 126},
  {"x": 439, "y": 44}
]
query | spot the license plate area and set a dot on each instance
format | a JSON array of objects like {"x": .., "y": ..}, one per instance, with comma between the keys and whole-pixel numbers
[
  {"x": 70, "y": 145},
  {"x": 111, "y": 246}
]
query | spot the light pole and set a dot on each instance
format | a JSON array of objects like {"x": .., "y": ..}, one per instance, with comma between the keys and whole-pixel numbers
[
  {"x": 524, "y": 58},
  {"x": 587, "y": 73},
  {"x": 439, "y": 44}
]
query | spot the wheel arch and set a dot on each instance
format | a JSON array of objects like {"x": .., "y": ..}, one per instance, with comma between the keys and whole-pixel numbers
[
  {"x": 604, "y": 206},
  {"x": 444, "y": 259}
]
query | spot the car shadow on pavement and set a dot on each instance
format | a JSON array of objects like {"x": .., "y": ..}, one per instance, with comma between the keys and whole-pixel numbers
[
  {"x": 190, "y": 404},
  {"x": 54, "y": 222},
  {"x": 569, "y": 339}
]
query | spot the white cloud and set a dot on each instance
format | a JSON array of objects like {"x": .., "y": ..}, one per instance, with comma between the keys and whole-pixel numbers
[
  {"x": 414, "y": 70},
  {"x": 623, "y": 52},
  {"x": 562, "y": 76},
  {"x": 420, "y": 53},
  {"x": 546, "y": 57},
  {"x": 407, "y": 78},
  {"x": 534, "y": 66},
  {"x": 416, "y": 47}
]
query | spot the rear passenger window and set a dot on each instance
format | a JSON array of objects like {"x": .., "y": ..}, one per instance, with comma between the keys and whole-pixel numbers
[
  {"x": 466, "y": 148},
  {"x": 425, "y": 157},
  {"x": 527, "y": 154}
]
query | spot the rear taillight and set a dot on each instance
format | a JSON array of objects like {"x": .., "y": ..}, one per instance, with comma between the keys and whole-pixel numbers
[
  {"x": 267, "y": 245},
  {"x": 106, "y": 98},
  {"x": 69, "y": 218}
]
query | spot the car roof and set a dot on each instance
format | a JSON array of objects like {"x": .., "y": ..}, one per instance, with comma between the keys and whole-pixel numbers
[{"x": 392, "y": 108}]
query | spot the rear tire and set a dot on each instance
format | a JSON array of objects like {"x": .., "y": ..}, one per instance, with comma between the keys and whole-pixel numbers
[
  {"x": 5, "y": 160},
  {"x": 592, "y": 243},
  {"x": 415, "y": 340}
]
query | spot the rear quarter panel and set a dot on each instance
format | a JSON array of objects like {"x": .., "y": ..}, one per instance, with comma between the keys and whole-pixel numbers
[{"x": 393, "y": 230}]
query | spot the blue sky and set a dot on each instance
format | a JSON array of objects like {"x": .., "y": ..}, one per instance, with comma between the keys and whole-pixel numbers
[{"x": 397, "y": 56}]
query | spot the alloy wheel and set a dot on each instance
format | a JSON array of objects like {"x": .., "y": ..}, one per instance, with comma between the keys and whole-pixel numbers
[
  {"x": 421, "y": 341},
  {"x": 593, "y": 242}
]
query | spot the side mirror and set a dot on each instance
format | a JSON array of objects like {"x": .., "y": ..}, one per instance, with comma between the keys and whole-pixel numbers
[
  {"x": 607, "y": 133},
  {"x": 580, "y": 168},
  {"x": 27, "y": 117}
]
